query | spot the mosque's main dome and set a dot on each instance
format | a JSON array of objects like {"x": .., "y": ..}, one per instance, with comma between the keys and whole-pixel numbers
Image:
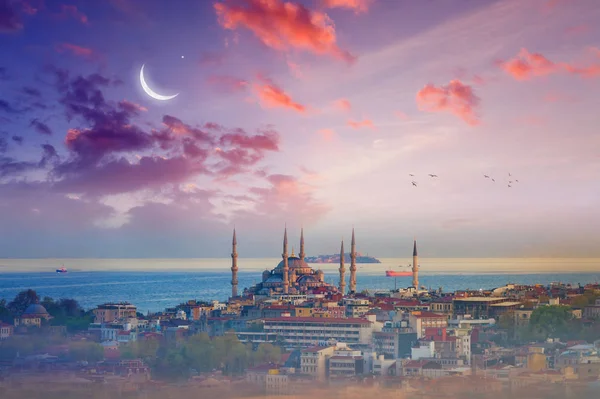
[{"x": 293, "y": 263}]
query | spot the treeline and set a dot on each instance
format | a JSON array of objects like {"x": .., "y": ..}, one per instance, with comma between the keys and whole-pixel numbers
[
  {"x": 556, "y": 321},
  {"x": 65, "y": 311},
  {"x": 200, "y": 353}
]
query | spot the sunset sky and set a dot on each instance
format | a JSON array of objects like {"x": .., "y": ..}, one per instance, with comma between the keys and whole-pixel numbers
[{"x": 307, "y": 113}]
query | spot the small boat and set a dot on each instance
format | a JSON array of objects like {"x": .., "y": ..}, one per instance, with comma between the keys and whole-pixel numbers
[{"x": 61, "y": 270}]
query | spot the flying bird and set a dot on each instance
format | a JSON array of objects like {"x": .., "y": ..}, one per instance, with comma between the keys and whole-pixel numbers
[
  {"x": 509, "y": 185},
  {"x": 494, "y": 180},
  {"x": 516, "y": 181},
  {"x": 410, "y": 174},
  {"x": 510, "y": 182},
  {"x": 486, "y": 176},
  {"x": 414, "y": 183},
  {"x": 509, "y": 174},
  {"x": 432, "y": 175}
]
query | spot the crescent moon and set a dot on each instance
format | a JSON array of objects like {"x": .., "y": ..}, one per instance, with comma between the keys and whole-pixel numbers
[{"x": 151, "y": 92}]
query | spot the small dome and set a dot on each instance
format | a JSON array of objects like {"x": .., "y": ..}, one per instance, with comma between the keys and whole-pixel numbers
[{"x": 35, "y": 308}]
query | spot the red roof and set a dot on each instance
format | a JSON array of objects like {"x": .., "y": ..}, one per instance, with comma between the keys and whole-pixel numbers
[{"x": 319, "y": 320}]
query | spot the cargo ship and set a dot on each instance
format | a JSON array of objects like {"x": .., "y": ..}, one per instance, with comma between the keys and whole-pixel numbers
[
  {"x": 61, "y": 270},
  {"x": 400, "y": 273}
]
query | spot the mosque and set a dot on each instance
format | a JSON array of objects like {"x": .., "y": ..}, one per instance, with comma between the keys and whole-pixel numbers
[{"x": 293, "y": 275}]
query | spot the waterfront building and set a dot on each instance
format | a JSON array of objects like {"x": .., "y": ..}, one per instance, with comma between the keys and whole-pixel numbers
[{"x": 313, "y": 361}]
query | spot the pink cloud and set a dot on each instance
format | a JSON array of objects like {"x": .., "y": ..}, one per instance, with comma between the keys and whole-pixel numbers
[
  {"x": 70, "y": 11},
  {"x": 401, "y": 115},
  {"x": 343, "y": 104},
  {"x": 76, "y": 50},
  {"x": 229, "y": 83},
  {"x": 554, "y": 97},
  {"x": 456, "y": 98},
  {"x": 283, "y": 25},
  {"x": 273, "y": 96},
  {"x": 326, "y": 134},
  {"x": 531, "y": 120},
  {"x": 359, "y": 6},
  {"x": 295, "y": 69},
  {"x": 577, "y": 29},
  {"x": 132, "y": 107},
  {"x": 285, "y": 193},
  {"x": 526, "y": 65},
  {"x": 366, "y": 123}
]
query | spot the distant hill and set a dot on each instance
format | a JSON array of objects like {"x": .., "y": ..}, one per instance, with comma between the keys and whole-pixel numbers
[{"x": 336, "y": 259}]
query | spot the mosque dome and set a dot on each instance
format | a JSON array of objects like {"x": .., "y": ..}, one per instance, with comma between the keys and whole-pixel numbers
[
  {"x": 35, "y": 309},
  {"x": 293, "y": 263},
  {"x": 308, "y": 279}
]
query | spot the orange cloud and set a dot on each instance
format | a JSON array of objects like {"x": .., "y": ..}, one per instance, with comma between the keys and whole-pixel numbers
[
  {"x": 526, "y": 65},
  {"x": 272, "y": 96},
  {"x": 366, "y": 123},
  {"x": 283, "y": 25},
  {"x": 456, "y": 98},
  {"x": 343, "y": 104},
  {"x": 326, "y": 134},
  {"x": 359, "y": 6}
]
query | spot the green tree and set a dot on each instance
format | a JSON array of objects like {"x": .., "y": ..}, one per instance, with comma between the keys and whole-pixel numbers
[
  {"x": 266, "y": 353},
  {"x": 23, "y": 299},
  {"x": 551, "y": 321},
  {"x": 85, "y": 350}
]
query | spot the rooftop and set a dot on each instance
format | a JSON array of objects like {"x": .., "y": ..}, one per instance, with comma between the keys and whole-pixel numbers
[
  {"x": 501, "y": 304},
  {"x": 423, "y": 314},
  {"x": 317, "y": 320},
  {"x": 480, "y": 299}
]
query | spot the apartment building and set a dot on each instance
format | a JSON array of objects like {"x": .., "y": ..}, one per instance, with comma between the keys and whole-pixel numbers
[
  {"x": 313, "y": 361},
  {"x": 419, "y": 321},
  {"x": 310, "y": 331},
  {"x": 109, "y": 312}
]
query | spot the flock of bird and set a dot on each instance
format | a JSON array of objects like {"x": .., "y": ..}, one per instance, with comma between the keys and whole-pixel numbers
[{"x": 510, "y": 179}]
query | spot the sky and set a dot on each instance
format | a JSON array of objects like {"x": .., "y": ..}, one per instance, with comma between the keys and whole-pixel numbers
[{"x": 317, "y": 114}]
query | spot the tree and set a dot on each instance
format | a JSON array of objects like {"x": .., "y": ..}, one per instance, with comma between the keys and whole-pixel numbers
[
  {"x": 551, "y": 321},
  {"x": 85, "y": 350},
  {"x": 5, "y": 315},
  {"x": 266, "y": 353},
  {"x": 23, "y": 299}
]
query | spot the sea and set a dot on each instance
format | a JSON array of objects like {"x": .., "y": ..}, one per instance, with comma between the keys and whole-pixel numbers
[{"x": 155, "y": 284}]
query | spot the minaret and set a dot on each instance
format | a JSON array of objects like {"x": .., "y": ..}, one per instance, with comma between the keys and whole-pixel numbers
[
  {"x": 301, "y": 255},
  {"x": 342, "y": 270},
  {"x": 353, "y": 264},
  {"x": 234, "y": 267},
  {"x": 415, "y": 266},
  {"x": 286, "y": 268}
]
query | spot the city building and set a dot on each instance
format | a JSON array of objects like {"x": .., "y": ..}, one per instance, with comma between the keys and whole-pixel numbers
[
  {"x": 477, "y": 307},
  {"x": 110, "y": 312},
  {"x": 421, "y": 320},
  {"x": 33, "y": 316},
  {"x": 308, "y": 331},
  {"x": 6, "y": 331},
  {"x": 313, "y": 361}
]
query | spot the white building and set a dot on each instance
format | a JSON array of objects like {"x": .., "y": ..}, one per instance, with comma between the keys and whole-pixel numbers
[
  {"x": 310, "y": 331},
  {"x": 423, "y": 351},
  {"x": 383, "y": 366},
  {"x": 313, "y": 361}
]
